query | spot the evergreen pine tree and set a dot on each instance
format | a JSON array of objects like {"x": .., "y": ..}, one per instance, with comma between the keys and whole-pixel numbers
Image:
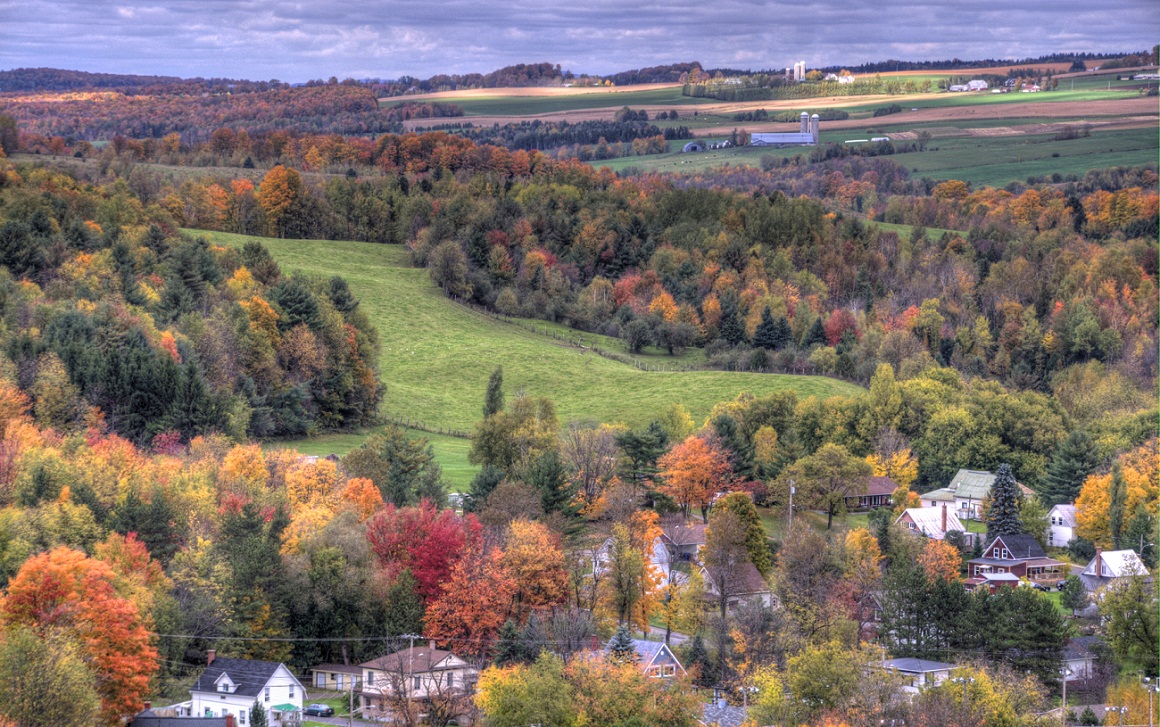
[
  {"x": 766, "y": 334},
  {"x": 1116, "y": 507},
  {"x": 258, "y": 714},
  {"x": 511, "y": 648},
  {"x": 1003, "y": 516},
  {"x": 493, "y": 400},
  {"x": 1072, "y": 594},
  {"x": 699, "y": 657},
  {"x": 1140, "y": 535},
  {"x": 816, "y": 335},
  {"x": 783, "y": 334},
  {"x": 339, "y": 293},
  {"x": 1075, "y": 459},
  {"x": 731, "y": 326},
  {"x": 621, "y": 649},
  {"x": 404, "y": 607},
  {"x": 482, "y": 485},
  {"x": 548, "y": 474}
]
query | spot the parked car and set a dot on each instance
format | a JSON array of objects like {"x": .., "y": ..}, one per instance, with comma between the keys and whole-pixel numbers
[{"x": 318, "y": 710}]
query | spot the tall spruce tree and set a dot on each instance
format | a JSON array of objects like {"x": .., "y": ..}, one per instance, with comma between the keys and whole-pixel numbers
[
  {"x": 1075, "y": 459},
  {"x": 766, "y": 334},
  {"x": 783, "y": 334},
  {"x": 731, "y": 326},
  {"x": 493, "y": 401},
  {"x": 1003, "y": 516},
  {"x": 620, "y": 649},
  {"x": 816, "y": 335}
]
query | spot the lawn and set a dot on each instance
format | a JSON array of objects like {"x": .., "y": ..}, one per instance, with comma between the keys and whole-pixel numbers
[{"x": 437, "y": 355}]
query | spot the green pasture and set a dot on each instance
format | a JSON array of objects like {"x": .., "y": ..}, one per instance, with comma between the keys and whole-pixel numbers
[
  {"x": 994, "y": 161},
  {"x": 437, "y": 355},
  {"x": 998, "y": 160}
]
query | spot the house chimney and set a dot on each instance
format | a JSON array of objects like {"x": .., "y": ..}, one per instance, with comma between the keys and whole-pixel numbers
[
  {"x": 210, "y": 656},
  {"x": 944, "y": 519},
  {"x": 229, "y": 720},
  {"x": 148, "y": 706},
  {"x": 431, "y": 644},
  {"x": 1099, "y": 562}
]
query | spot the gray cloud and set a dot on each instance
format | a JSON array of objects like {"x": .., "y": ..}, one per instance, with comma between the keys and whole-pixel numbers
[{"x": 295, "y": 40}]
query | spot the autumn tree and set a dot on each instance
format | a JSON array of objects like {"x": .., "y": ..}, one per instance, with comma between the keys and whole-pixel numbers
[
  {"x": 535, "y": 563},
  {"x": 862, "y": 570},
  {"x": 725, "y": 557},
  {"x": 404, "y": 469},
  {"x": 692, "y": 472},
  {"x": 280, "y": 196},
  {"x": 422, "y": 539},
  {"x": 66, "y": 591},
  {"x": 517, "y": 696},
  {"x": 940, "y": 560},
  {"x": 473, "y": 602},
  {"x": 827, "y": 477},
  {"x": 45, "y": 681}
]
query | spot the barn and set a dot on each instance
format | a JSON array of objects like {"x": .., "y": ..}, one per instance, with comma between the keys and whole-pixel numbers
[{"x": 806, "y": 136}]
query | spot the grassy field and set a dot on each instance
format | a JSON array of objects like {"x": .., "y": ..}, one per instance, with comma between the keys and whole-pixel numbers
[
  {"x": 991, "y": 160},
  {"x": 437, "y": 356},
  {"x": 450, "y": 452},
  {"x": 511, "y": 104}
]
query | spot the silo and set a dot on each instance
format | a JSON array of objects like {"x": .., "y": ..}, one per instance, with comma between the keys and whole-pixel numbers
[
  {"x": 805, "y": 123},
  {"x": 815, "y": 126}
]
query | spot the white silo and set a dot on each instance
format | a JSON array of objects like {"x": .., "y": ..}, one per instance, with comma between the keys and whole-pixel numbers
[
  {"x": 805, "y": 123},
  {"x": 815, "y": 126}
]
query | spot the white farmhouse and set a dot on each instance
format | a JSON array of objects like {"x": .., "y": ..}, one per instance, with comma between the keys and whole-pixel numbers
[
  {"x": 1060, "y": 525},
  {"x": 934, "y": 523},
  {"x": 231, "y": 687},
  {"x": 415, "y": 674}
]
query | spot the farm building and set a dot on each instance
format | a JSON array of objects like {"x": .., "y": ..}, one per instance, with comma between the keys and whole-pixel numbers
[
  {"x": 693, "y": 146},
  {"x": 977, "y": 85},
  {"x": 806, "y": 136}
]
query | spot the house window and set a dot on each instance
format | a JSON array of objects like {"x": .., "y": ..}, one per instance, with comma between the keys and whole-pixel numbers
[
  {"x": 910, "y": 525},
  {"x": 337, "y": 681},
  {"x": 995, "y": 553},
  {"x": 1006, "y": 554},
  {"x": 242, "y": 716},
  {"x": 416, "y": 682},
  {"x": 223, "y": 688},
  {"x": 267, "y": 694},
  {"x": 370, "y": 678},
  {"x": 291, "y": 691}
]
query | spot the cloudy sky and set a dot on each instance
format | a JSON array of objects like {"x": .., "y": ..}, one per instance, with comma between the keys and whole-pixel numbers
[{"x": 296, "y": 40}]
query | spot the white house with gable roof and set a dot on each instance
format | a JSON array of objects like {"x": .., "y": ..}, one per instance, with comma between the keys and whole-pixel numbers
[{"x": 231, "y": 687}]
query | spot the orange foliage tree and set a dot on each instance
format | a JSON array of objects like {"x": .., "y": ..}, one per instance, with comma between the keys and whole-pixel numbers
[
  {"x": 533, "y": 558},
  {"x": 65, "y": 589},
  {"x": 692, "y": 472},
  {"x": 940, "y": 561},
  {"x": 473, "y": 604}
]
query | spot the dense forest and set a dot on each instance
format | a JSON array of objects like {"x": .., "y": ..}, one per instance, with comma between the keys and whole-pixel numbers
[
  {"x": 1012, "y": 330},
  {"x": 115, "y": 321}
]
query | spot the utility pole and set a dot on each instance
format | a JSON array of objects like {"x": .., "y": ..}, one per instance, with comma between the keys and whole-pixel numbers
[
  {"x": 1063, "y": 700},
  {"x": 791, "y": 489}
]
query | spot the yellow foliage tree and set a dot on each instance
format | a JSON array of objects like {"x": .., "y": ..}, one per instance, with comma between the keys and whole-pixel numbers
[
  {"x": 1141, "y": 485},
  {"x": 940, "y": 561},
  {"x": 362, "y": 496},
  {"x": 901, "y": 467},
  {"x": 313, "y": 483}
]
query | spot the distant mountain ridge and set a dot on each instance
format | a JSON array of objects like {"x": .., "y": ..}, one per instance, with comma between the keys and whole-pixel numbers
[{"x": 517, "y": 75}]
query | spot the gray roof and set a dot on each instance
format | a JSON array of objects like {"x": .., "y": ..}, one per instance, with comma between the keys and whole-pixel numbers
[
  {"x": 1021, "y": 547},
  {"x": 916, "y": 666},
  {"x": 249, "y": 676},
  {"x": 712, "y": 714},
  {"x": 1081, "y": 647},
  {"x": 965, "y": 484},
  {"x": 881, "y": 486},
  {"x": 149, "y": 718},
  {"x": 648, "y": 651}
]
